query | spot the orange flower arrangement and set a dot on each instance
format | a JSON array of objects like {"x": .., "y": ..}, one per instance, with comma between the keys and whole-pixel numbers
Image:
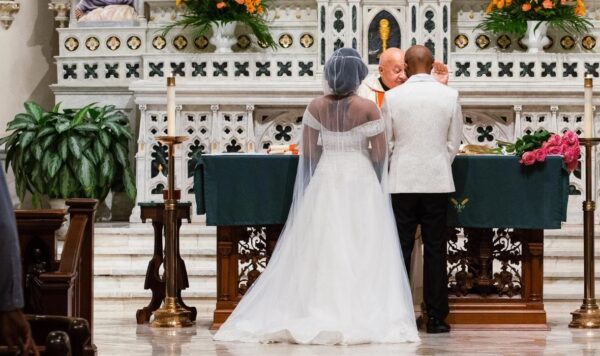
[
  {"x": 200, "y": 14},
  {"x": 511, "y": 16}
]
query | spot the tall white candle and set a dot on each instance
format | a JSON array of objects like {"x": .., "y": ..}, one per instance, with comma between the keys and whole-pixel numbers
[
  {"x": 588, "y": 118},
  {"x": 171, "y": 105}
]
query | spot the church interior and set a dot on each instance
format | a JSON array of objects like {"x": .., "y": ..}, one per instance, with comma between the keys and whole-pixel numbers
[{"x": 150, "y": 167}]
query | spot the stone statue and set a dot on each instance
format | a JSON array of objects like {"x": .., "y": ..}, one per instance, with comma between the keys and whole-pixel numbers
[{"x": 105, "y": 10}]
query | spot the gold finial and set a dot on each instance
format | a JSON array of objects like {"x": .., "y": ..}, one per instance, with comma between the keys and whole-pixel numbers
[
  {"x": 384, "y": 34},
  {"x": 588, "y": 81}
]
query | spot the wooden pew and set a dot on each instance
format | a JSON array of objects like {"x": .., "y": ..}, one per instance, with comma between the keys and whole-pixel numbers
[{"x": 59, "y": 287}]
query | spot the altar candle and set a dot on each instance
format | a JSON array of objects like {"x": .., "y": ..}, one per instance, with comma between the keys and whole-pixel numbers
[
  {"x": 171, "y": 105},
  {"x": 588, "y": 118}
]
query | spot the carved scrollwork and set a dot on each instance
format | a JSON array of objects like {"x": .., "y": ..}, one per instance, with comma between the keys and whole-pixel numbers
[
  {"x": 479, "y": 266},
  {"x": 253, "y": 257}
]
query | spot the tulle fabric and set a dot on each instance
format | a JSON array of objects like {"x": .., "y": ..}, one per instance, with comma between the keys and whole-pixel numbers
[{"x": 337, "y": 274}]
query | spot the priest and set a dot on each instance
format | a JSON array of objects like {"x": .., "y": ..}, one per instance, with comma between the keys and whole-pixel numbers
[{"x": 391, "y": 74}]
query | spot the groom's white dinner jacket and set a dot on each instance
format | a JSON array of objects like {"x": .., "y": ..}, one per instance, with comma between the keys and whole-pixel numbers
[{"x": 424, "y": 121}]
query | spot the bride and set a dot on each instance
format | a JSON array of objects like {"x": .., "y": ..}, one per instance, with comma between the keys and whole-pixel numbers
[{"x": 337, "y": 275}]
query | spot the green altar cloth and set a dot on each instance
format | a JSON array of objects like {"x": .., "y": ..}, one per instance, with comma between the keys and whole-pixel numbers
[{"x": 491, "y": 191}]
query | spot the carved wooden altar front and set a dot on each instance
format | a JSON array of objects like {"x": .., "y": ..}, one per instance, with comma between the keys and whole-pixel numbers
[
  {"x": 496, "y": 278},
  {"x": 495, "y": 275},
  {"x": 242, "y": 254}
]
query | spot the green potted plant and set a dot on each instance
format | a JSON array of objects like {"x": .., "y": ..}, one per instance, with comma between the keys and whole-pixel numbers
[
  {"x": 69, "y": 153},
  {"x": 222, "y": 16}
]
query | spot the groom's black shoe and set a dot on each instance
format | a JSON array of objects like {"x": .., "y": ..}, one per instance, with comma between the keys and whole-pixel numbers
[{"x": 437, "y": 326}]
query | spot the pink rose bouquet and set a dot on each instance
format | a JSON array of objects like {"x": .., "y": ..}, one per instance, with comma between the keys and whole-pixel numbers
[{"x": 535, "y": 149}]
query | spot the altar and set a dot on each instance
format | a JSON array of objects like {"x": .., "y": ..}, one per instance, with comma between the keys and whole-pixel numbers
[{"x": 496, "y": 219}]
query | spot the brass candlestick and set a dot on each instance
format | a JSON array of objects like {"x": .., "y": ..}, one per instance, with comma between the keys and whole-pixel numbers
[
  {"x": 171, "y": 314},
  {"x": 588, "y": 315}
]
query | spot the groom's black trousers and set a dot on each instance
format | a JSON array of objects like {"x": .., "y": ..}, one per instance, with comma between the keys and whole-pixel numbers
[{"x": 429, "y": 210}]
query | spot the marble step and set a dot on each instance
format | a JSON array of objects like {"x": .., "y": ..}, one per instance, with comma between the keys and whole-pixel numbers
[
  {"x": 571, "y": 289},
  {"x": 122, "y": 253},
  {"x": 566, "y": 266},
  {"x": 128, "y": 286},
  {"x": 137, "y": 264}
]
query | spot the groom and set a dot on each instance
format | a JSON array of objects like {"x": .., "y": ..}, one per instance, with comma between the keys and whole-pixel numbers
[{"x": 426, "y": 122}]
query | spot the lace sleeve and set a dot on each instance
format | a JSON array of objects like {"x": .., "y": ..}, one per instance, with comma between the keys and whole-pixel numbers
[
  {"x": 310, "y": 120},
  {"x": 373, "y": 128}
]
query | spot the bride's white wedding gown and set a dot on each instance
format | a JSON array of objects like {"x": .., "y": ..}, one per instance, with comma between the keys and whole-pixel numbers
[{"x": 337, "y": 275}]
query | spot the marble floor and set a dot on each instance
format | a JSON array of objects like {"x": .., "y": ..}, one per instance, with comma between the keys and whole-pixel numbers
[{"x": 121, "y": 336}]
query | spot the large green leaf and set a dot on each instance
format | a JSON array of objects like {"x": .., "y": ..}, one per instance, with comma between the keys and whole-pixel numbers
[
  {"x": 84, "y": 142},
  {"x": 34, "y": 110},
  {"x": 48, "y": 140},
  {"x": 90, "y": 155},
  {"x": 67, "y": 182},
  {"x": 63, "y": 148},
  {"x": 105, "y": 138},
  {"x": 121, "y": 152},
  {"x": 27, "y": 154},
  {"x": 99, "y": 149},
  {"x": 74, "y": 146},
  {"x": 107, "y": 168},
  {"x": 86, "y": 127},
  {"x": 10, "y": 154},
  {"x": 21, "y": 188},
  {"x": 54, "y": 164},
  {"x": 126, "y": 131},
  {"x": 117, "y": 117},
  {"x": 19, "y": 124},
  {"x": 37, "y": 179},
  {"x": 37, "y": 151},
  {"x": 95, "y": 113},
  {"x": 62, "y": 125},
  {"x": 114, "y": 128},
  {"x": 46, "y": 131},
  {"x": 5, "y": 139},
  {"x": 25, "y": 117},
  {"x": 80, "y": 115},
  {"x": 129, "y": 183},
  {"x": 87, "y": 176},
  {"x": 26, "y": 138}
]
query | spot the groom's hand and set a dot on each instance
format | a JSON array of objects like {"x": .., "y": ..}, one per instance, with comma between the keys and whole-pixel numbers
[{"x": 440, "y": 72}]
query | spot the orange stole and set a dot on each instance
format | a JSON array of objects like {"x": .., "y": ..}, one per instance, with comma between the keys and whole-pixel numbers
[{"x": 379, "y": 98}]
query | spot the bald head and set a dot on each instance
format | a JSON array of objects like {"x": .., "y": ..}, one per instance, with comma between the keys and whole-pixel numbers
[
  {"x": 391, "y": 55},
  {"x": 418, "y": 60},
  {"x": 391, "y": 67}
]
